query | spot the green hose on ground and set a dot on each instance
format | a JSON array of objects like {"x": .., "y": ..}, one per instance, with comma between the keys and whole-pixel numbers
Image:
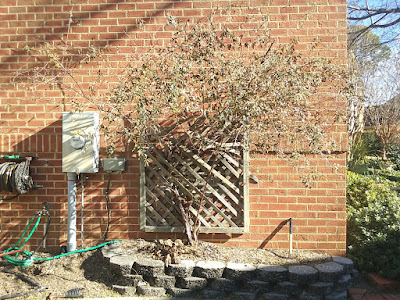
[
  {"x": 76, "y": 251},
  {"x": 25, "y": 262},
  {"x": 30, "y": 255},
  {"x": 28, "y": 261}
]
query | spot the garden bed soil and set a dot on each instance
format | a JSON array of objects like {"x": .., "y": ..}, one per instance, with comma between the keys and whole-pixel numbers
[{"x": 88, "y": 271}]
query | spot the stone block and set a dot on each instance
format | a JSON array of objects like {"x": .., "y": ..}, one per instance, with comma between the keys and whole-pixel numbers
[
  {"x": 275, "y": 296},
  {"x": 149, "y": 267},
  {"x": 272, "y": 273},
  {"x": 355, "y": 275},
  {"x": 130, "y": 280},
  {"x": 302, "y": 274},
  {"x": 121, "y": 264},
  {"x": 153, "y": 291},
  {"x": 336, "y": 296},
  {"x": 124, "y": 290},
  {"x": 343, "y": 283},
  {"x": 209, "y": 269},
  {"x": 223, "y": 284},
  {"x": 243, "y": 295},
  {"x": 287, "y": 287},
  {"x": 192, "y": 283},
  {"x": 306, "y": 296},
  {"x": 163, "y": 281},
  {"x": 237, "y": 271},
  {"x": 183, "y": 269},
  {"x": 257, "y": 286},
  {"x": 212, "y": 294},
  {"x": 110, "y": 250},
  {"x": 330, "y": 271},
  {"x": 178, "y": 292},
  {"x": 320, "y": 288},
  {"x": 347, "y": 263}
]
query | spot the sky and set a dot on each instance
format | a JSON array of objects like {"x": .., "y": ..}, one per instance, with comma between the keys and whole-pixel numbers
[{"x": 384, "y": 83}]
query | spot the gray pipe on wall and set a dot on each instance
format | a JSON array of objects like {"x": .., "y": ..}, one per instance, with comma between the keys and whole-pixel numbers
[{"x": 71, "y": 239}]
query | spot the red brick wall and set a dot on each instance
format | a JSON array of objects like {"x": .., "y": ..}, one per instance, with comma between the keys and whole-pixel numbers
[{"x": 30, "y": 122}]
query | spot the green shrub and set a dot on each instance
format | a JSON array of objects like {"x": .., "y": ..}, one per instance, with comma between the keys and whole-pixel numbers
[
  {"x": 373, "y": 218},
  {"x": 394, "y": 155},
  {"x": 373, "y": 145},
  {"x": 366, "y": 147}
]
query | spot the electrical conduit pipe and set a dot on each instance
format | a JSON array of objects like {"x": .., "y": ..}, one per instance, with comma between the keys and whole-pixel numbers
[
  {"x": 290, "y": 236},
  {"x": 71, "y": 239}
]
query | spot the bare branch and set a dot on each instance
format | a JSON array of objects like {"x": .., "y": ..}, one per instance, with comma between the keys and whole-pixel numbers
[{"x": 384, "y": 16}]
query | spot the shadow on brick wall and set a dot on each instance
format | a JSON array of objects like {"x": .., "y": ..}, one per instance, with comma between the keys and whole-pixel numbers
[
  {"x": 273, "y": 233},
  {"x": 46, "y": 171},
  {"x": 72, "y": 21}
]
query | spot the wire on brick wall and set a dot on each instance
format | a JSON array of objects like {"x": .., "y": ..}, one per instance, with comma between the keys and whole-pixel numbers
[
  {"x": 15, "y": 178},
  {"x": 107, "y": 207}
]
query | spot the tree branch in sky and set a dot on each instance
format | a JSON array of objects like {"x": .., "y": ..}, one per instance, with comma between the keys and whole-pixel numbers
[{"x": 381, "y": 15}]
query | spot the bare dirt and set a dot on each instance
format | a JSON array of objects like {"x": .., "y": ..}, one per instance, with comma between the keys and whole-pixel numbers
[{"x": 87, "y": 274}]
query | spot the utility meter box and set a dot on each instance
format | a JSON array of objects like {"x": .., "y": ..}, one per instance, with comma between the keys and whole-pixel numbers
[{"x": 81, "y": 139}]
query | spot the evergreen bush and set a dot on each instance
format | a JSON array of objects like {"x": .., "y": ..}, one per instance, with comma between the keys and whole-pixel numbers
[
  {"x": 394, "y": 155},
  {"x": 373, "y": 218}
]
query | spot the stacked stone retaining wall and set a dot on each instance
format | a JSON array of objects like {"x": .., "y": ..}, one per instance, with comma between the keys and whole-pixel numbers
[{"x": 218, "y": 280}]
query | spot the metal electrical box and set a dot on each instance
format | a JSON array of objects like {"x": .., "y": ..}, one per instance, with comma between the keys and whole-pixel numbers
[
  {"x": 80, "y": 150},
  {"x": 114, "y": 164}
]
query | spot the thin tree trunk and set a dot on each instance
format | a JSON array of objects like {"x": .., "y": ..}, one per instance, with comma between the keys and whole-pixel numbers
[
  {"x": 188, "y": 227},
  {"x": 384, "y": 152}
]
